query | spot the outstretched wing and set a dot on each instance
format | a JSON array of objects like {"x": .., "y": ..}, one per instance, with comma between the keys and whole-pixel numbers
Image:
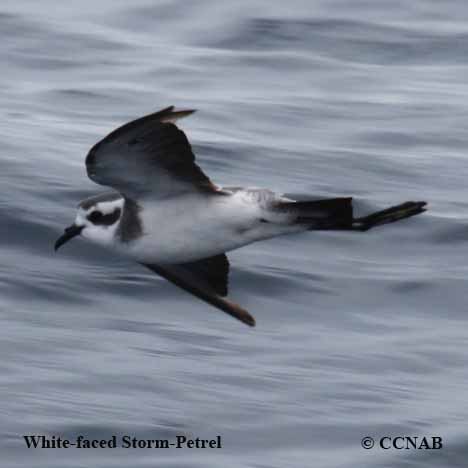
[
  {"x": 207, "y": 280},
  {"x": 212, "y": 270},
  {"x": 148, "y": 157}
]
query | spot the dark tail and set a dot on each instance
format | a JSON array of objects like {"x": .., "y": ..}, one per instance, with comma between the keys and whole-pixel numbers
[
  {"x": 337, "y": 214},
  {"x": 390, "y": 215},
  {"x": 334, "y": 213}
]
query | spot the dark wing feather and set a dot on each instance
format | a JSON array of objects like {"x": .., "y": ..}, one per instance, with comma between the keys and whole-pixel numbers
[
  {"x": 213, "y": 270},
  {"x": 186, "y": 277},
  {"x": 149, "y": 156}
]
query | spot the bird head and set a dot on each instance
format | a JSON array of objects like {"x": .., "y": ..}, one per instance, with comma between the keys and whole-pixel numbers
[{"x": 96, "y": 220}]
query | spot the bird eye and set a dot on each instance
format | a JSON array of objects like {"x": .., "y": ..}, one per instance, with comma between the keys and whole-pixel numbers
[{"x": 95, "y": 216}]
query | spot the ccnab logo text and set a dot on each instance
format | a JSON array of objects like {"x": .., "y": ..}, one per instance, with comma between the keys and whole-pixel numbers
[{"x": 411, "y": 443}]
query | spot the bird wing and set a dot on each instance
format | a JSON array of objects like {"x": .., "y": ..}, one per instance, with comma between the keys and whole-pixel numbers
[
  {"x": 207, "y": 280},
  {"x": 148, "y": 157},
  {"x": 213, "y": 270}
]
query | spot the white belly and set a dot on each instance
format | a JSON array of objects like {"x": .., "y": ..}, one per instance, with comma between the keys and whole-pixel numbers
[{"x": 190, "y": 228}]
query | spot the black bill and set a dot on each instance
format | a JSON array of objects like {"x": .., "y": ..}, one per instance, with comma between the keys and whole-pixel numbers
[{"x": 70, "y": 232}]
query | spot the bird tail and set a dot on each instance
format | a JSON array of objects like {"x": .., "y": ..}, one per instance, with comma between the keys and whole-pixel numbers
[
  {"x": 337, "y": 214},
  {"x": 390, "y": 215}
]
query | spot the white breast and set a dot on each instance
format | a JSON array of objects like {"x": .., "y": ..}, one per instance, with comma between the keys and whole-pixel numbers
[{"x": 195, "y": 226}]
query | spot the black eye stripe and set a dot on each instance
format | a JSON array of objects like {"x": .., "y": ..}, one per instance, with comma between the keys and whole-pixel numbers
[{"x": 96, "y": 217}]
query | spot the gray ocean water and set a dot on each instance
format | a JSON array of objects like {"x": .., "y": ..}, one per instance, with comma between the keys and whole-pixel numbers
[{"x": 358, "y": 334}]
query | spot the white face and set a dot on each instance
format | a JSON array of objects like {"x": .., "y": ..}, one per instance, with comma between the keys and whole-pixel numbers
[{"x": 100, "y": 221}]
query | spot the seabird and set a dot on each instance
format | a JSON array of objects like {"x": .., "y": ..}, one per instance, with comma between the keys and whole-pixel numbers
[{"x": 167, "y": 215}]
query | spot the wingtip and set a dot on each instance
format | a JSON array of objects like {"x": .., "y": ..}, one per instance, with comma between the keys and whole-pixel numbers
[
  {"x": 251, "y": 322},
  {"x": 240, "y": 313},
  {"x": 170, "y": 114},
  {"x": 183, "y": 113}
]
